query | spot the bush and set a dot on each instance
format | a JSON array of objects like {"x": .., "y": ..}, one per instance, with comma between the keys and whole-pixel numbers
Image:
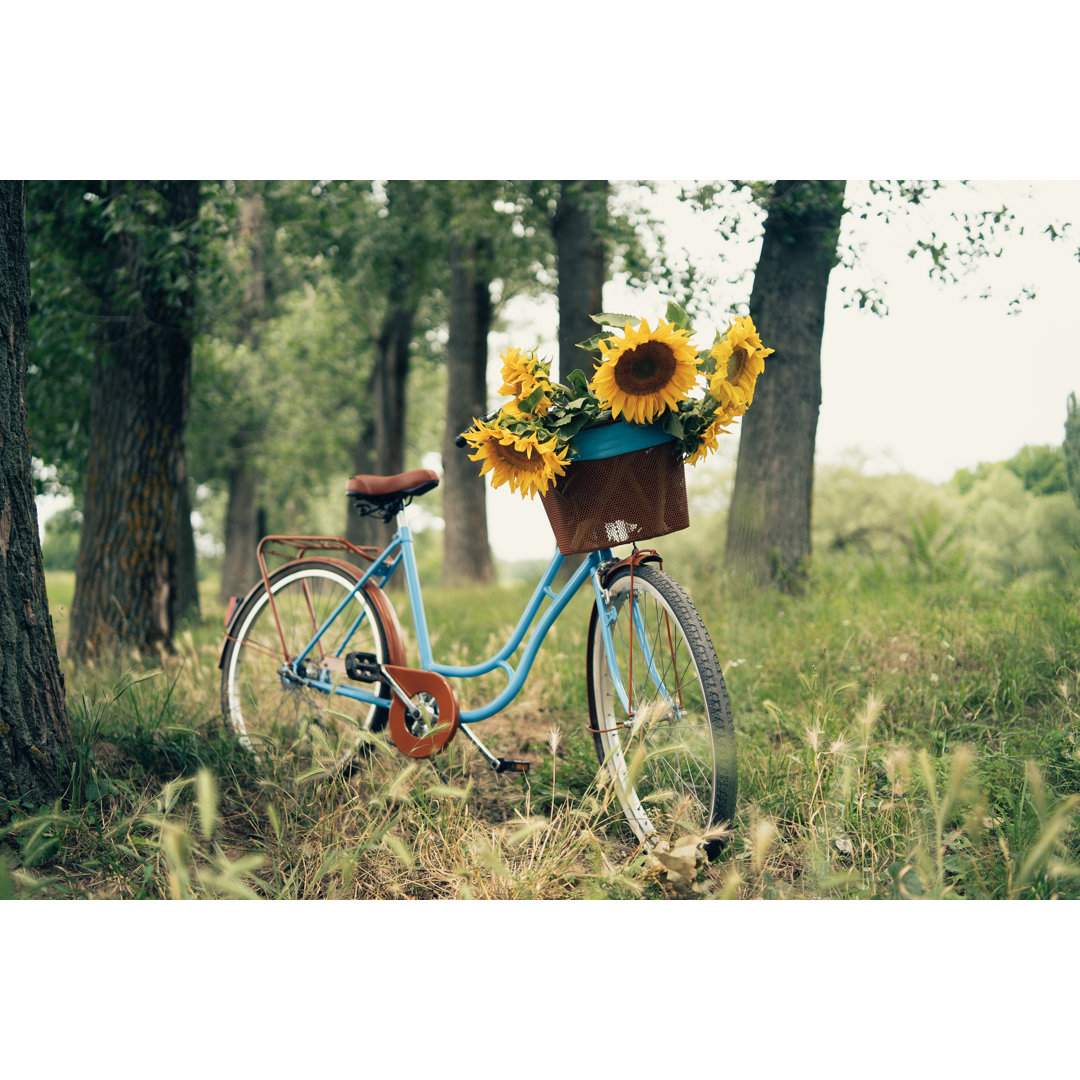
[{"x": 60, "y": 550}]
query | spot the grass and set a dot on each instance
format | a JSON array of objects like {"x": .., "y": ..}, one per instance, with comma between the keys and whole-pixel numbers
[{"x": 900, "y": 735}]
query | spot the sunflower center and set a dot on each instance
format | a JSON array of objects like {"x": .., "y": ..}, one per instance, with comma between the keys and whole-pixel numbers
[
  {"x": 645, "y": 369},
  {"x": 518, "y": 459},
  {"x": 740, "y": 357}
]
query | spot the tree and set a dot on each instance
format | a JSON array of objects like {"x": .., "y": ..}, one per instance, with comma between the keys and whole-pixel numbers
[
  {"x": 466, "y": 552},
  {"x": 127, "y": 581},
  {"x": 282, "y": 359},
  {"x": 70, "y": 266},
  {"x": 578, "y": 225},
  {"x": 769, "y": 520},
  {"x": 243, "y": 514},
  {"x": 768, "y": 534},
  {"x": 499, "y": 246},
  {"x": 35, "y": 741},
  {"x": 398, "y": 274},
  {"x": 1071, "y": 448}
]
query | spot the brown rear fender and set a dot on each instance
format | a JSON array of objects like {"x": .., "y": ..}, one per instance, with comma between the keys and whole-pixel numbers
[{"x": 395, "y": 641}]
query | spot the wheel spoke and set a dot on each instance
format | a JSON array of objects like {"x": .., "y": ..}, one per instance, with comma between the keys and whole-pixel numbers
[
  {"x": 677, "y": 738},
  {"x": 270, "y": 709}
]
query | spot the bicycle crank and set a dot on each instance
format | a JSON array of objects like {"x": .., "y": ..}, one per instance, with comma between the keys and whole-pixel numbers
[{"x": 424, "y": 715}]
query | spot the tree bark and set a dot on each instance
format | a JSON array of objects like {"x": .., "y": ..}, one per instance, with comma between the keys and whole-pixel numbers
[
  {"x": 187, "y": 601},
  {"x": 390, "y": 380},
  {"x": 466, "y": 552},
  {"x": 360, "y": 529},
  {"x": 126, "y": 580},
  {"x": 35, "y": 741},
  {"x": 769, "y": 521},
  {"x": 243, "y": 515},
  {"x": 577, "y": 227},
  {"x": 240, "y": 566}
]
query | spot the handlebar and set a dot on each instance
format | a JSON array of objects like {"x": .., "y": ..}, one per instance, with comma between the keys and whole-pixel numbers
[{"x": 460, "y": 442}]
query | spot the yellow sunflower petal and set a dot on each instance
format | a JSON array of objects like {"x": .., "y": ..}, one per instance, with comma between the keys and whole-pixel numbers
[
  {"x": 740, "y": 359},
  {"x": 710, "y": 437},
  {"x": 646, "y": 372},
  {"x": 523, "y": 462}
]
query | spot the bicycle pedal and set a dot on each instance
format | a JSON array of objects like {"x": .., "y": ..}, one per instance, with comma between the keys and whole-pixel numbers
[
  {"x": 362, "y": 666},
  {"x": 511, "y": 765}
]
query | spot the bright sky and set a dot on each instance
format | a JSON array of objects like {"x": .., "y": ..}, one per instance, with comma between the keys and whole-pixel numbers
[{"x": 943, "y": 381}]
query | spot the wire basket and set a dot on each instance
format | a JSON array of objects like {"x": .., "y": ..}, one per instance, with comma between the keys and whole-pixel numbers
[{"x": 627, "y": 484}]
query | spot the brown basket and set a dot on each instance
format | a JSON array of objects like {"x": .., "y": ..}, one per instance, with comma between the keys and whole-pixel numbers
[{"x": 603, "y": 502}]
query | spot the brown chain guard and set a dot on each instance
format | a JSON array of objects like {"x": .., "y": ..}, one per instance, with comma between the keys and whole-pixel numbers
[{"x": 414, "y": 681}]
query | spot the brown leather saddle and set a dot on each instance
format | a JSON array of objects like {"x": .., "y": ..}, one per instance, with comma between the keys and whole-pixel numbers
[{"x": 386, "y": 496}]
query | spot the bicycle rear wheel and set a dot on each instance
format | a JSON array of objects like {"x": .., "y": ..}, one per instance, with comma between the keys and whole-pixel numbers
[
  {"x": 659, "y": 711},
  {"x": 265, "y": 707}
]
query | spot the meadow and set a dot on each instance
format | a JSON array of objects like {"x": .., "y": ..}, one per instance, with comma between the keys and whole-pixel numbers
[{"x": 908, "y": 728}]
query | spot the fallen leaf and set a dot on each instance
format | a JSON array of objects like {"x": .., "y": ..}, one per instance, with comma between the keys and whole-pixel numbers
[{"x": 677, "y": 864}]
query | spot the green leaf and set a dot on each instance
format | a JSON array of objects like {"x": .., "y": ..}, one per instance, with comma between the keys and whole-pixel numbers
[
  {"x": 672, "y": 423},
  {"x": 608, "y": 319},
  {"x": 593, "y": 343},
  {"x": 530, "y": 403},
  {"x": 576, "y": 424},
  {"x": 579, "y": 384},
  {"x": 676, "y": 315}
]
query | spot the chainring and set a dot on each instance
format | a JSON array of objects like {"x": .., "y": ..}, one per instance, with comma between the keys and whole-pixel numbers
[{"x": 437, "y": 699}]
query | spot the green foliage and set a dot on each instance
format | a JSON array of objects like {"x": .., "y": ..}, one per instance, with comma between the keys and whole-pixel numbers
[
  {"x": 985, "y": 523},
  {"x": 1041, "y": 469},
  {"x": 1015, "y": 534},
  {"x": 262, "y": 400},
  {"x": 873, "y": 515},
  {"x": 933, "y": 549},
  {"x": 60, "y": 549},
  {"x": 98, "y": 249}
]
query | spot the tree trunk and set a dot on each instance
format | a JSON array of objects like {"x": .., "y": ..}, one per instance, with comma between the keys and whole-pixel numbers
[
  {"x": 381, "y": 443},
  {"x": 466, "y": 553},
  {"x": 35, "y": 741},
  {"x": 243, "y": 514},
  {"x": 389, "y": 382},
  {"x": 126, "y": 579},
  {"x": 240, "y": 566},
  {"x": 362, "y": 529},
  {"x": 187, "y": 601},
  {"x": 769, "y": 520},
  {"x": 577, "y": 227}
]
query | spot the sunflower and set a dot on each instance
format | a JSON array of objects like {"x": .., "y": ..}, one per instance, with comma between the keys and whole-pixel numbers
[
  {"x": 740, "y": 359},
  {"x": 646, "y": 372},
  {"x": 709, "y": 437},
  {"x": 522, "y": 375},
  {"x": 528, "y": 465}
]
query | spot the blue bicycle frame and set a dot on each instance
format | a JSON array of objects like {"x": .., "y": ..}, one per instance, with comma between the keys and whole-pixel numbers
[{"x": 400, "y": 553}]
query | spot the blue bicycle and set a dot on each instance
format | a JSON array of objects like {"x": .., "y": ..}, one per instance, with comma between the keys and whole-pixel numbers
[{"x": 314, "y": 655}]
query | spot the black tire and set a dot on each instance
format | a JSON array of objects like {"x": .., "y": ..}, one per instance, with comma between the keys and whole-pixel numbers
[
  {"x": 262, "y": 708},
  {"x": 672, "y": 764}
]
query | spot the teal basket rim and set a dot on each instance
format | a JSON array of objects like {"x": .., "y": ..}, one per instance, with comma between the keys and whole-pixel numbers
[{"x": 621, "y": 437}]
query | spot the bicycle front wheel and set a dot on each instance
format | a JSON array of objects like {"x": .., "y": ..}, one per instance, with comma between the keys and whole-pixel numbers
[
  {"x": 659, "y": 711},
  {"x": 265, "y": 706}
]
